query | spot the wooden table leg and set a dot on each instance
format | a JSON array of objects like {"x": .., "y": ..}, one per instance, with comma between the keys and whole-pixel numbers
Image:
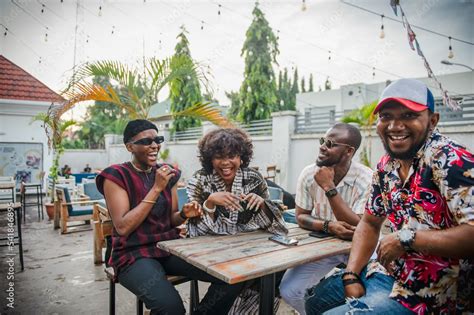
[
  {"x": 56, "y": 215},
  {"x": 267, "y": 294}
]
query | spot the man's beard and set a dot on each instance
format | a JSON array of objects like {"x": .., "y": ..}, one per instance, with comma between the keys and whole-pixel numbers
[{"x": 410, "y": 153}]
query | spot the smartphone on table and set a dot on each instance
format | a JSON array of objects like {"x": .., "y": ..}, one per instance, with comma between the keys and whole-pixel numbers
[
  {"x": 283, "y": 240},
  {"x": 319, "y": 234}
]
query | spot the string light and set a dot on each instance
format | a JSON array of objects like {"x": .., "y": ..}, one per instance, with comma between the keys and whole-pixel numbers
[
  {"x": 42, "y": 7},
  {"x": 46, "y": 36},
  {"x": 278, "y": 34},
  {"x": 329, "y": 55},
  {"x": 219, "y": 9},
  {"x": 450, "y": 53},
  {"x": 303, "y": 5},
  {"x": 382, "y": 32},
  {"x": 100, "y": 10},
  {"x": 6, "y": 32},
  {"x": 39, "y": 60},
  {"x": 87, "y": 39},
  {"x": 113, "y": 29},
  {"x": 373, "y": 73},
  {"x": 202, "y": 25}
]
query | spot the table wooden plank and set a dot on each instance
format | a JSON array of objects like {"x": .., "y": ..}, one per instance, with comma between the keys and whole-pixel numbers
[
  {"x": 256, "y": 266},
  {"x": 244, "y": 256}
]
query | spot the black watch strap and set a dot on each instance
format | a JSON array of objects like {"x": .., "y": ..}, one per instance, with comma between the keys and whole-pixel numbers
[{"x": 331, "y": 192}]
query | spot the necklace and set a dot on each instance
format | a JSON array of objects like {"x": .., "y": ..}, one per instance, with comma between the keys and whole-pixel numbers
[{"x": 148, "y": 170}]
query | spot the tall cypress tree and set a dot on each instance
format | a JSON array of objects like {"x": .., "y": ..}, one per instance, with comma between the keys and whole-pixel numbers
[
  {"x": 188, "y": 87},
  {"x": 258, "y": 90},
  {"x": 311, "y": 87},
  {"x": 303, "y": 88}
]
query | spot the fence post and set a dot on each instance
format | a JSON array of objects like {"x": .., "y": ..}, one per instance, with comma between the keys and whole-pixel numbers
[
  {"x": 283, "y": 127},
  {"x": 109, "y": 139}
]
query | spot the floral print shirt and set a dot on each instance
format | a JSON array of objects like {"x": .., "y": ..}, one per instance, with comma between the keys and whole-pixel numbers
[{"x": 436, "y": 195}]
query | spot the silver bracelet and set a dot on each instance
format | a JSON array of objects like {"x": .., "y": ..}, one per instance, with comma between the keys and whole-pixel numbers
[{"x": 208, "y": 210}]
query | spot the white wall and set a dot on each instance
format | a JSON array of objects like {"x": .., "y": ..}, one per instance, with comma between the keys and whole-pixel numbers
[
  {"x": 16, "y": 126},
  {"x": 77, "y": 159}
]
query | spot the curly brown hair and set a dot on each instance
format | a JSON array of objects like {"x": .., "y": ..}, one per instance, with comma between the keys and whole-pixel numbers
[{"x": 225, "y": 142}]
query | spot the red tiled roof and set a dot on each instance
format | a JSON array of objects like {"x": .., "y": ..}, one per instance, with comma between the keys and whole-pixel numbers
[{"x": 17, "y": 84}]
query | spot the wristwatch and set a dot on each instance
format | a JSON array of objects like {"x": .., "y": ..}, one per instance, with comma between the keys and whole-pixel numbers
[
  {"x": 406, "y": 236},
  {"x": 331, "y": 192}
]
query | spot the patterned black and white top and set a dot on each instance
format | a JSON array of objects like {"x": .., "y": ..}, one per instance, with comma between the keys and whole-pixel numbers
[{"x": 227, "y": 222}]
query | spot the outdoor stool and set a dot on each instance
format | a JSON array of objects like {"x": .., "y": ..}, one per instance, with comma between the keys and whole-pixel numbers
[
  {"x": 39, "y": 198},
  {"x": 175, "y": 280},
  {"x": 16, "y": 207}
]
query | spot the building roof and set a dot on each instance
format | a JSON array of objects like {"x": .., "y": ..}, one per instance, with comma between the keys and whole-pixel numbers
[{"x": 17, "y": 84}]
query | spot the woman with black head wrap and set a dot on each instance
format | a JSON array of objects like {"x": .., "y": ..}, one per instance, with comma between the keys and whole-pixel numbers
[{"x": 142, "y": 200}]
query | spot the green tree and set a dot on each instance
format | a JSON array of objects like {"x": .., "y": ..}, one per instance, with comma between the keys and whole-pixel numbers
[
  {"x": 311, "y": 87},
  {"x": 327, "y": 84},
  {"x": 234, "y": 109},
  {"x": 365, "y": 118},
  {"x": 187, "y": 91},
  {"x": 285, "y": 92},
  {"x": 258, "y": 90},
  {"x": 303, "y": 88}
]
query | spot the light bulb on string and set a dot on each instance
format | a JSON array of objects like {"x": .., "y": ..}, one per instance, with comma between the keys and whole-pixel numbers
[
  {"x": 278, "y": 34},
  {"x": 303, "y": 5},
  {"x": 42, "y": 8},
  {"x": 202, "y": 25},
  {"x": 450, "y": 53},
  {"x": 373, "y": 73},
  {"x": 6, "y": 32},
  {"x": 329, "y": 55},
  {"x": 113, "y": 30},
  {"x": 219, "y": 9},
  {"x": 46, "y": 36},
  {"x": 87, "y": 39},
  {"x": 100, "y": 10},
  {"x": 39, "y": 61},
  {"x": 382, "y": 32}
]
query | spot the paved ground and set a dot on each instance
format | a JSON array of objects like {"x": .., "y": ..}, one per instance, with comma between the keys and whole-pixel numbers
[{"x": 60, "y": 276}]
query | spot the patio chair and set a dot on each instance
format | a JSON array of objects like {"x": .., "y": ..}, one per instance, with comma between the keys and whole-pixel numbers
[
  {"x": 72, "y": 211},
  {"x": 102, "y": 226},
  {"x": 271, "y": 172},
  {"x": 276, "y": 195}
]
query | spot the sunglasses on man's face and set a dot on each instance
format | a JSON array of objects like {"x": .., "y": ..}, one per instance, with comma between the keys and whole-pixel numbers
[
  {"x": 329, "y": 143},
  {"x": 149, "y": 141}
]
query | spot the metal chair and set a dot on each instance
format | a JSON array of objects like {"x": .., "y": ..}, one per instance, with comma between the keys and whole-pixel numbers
[
  {"x": 38, "y": 193},
  {"x": 271, "y": 172}
]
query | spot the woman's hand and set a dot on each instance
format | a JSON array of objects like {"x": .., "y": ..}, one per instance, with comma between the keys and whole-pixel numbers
[
  {"x": 253, "y": 200},
  {"x": 225, "y": 199},
  {"x": 162, "y": 177},
  {"x": 192, "y": 209}
]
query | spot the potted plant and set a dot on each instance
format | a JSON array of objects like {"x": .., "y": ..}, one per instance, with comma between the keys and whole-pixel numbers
[{"x": 55, "y": 129}]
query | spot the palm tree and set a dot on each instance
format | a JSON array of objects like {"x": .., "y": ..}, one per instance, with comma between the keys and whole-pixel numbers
[
  {"x": 137, "y": 90},
  {"x": 365, "y": 118}
]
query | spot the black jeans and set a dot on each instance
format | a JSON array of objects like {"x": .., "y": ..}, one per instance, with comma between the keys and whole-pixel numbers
[{"x": 146, "y": 278}]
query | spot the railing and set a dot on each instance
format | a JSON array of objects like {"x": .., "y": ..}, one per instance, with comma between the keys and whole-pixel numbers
[
  {"x": 318, "y": 121},
  {"x": 188, "y": 134},
  {"x": 258, "y": 127}
]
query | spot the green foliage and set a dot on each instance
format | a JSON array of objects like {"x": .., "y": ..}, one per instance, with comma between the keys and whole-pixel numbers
[
  {"x": 327, "y": 84},
  {"x": 311, "y": 87},
  {"x": 234, "y": 98},
  {"x": 364, "y": 117},
  {"x": 286, "y": 98},
  {"x": 56, "y": 140},
  {"x": 187, "y": 91},
  {"x": 303, "y": 88},
  {"x": 164, "y": 154},
  {"x": 258, "y": 94}
]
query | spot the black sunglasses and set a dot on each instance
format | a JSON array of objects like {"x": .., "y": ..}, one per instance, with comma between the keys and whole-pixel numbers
[
  {"x": 149, "y": 141},
  {"x": 329, "y": 143}
]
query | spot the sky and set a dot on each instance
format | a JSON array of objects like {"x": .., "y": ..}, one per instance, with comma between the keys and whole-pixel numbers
[{"x": 129, "y": 30}]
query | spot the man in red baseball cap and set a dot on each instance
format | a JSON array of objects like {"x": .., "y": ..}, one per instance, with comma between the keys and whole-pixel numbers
[{"x": 424, "y": 186}]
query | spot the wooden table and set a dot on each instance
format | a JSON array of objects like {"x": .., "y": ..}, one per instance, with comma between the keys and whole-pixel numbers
[{"x": 245, "y": 256}]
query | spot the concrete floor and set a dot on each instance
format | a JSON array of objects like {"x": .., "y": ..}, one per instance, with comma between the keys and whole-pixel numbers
[{"x": 60, "y": 276}]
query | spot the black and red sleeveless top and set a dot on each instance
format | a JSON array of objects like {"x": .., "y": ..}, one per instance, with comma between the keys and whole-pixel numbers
[{"x": 157, "y": 225}]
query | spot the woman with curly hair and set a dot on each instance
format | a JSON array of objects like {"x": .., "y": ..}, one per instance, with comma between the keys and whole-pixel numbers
[{"x": 234, "y": 198}]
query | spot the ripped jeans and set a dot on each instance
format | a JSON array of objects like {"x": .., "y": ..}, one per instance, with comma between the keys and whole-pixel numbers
[{"x": 328, "y": 297}]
